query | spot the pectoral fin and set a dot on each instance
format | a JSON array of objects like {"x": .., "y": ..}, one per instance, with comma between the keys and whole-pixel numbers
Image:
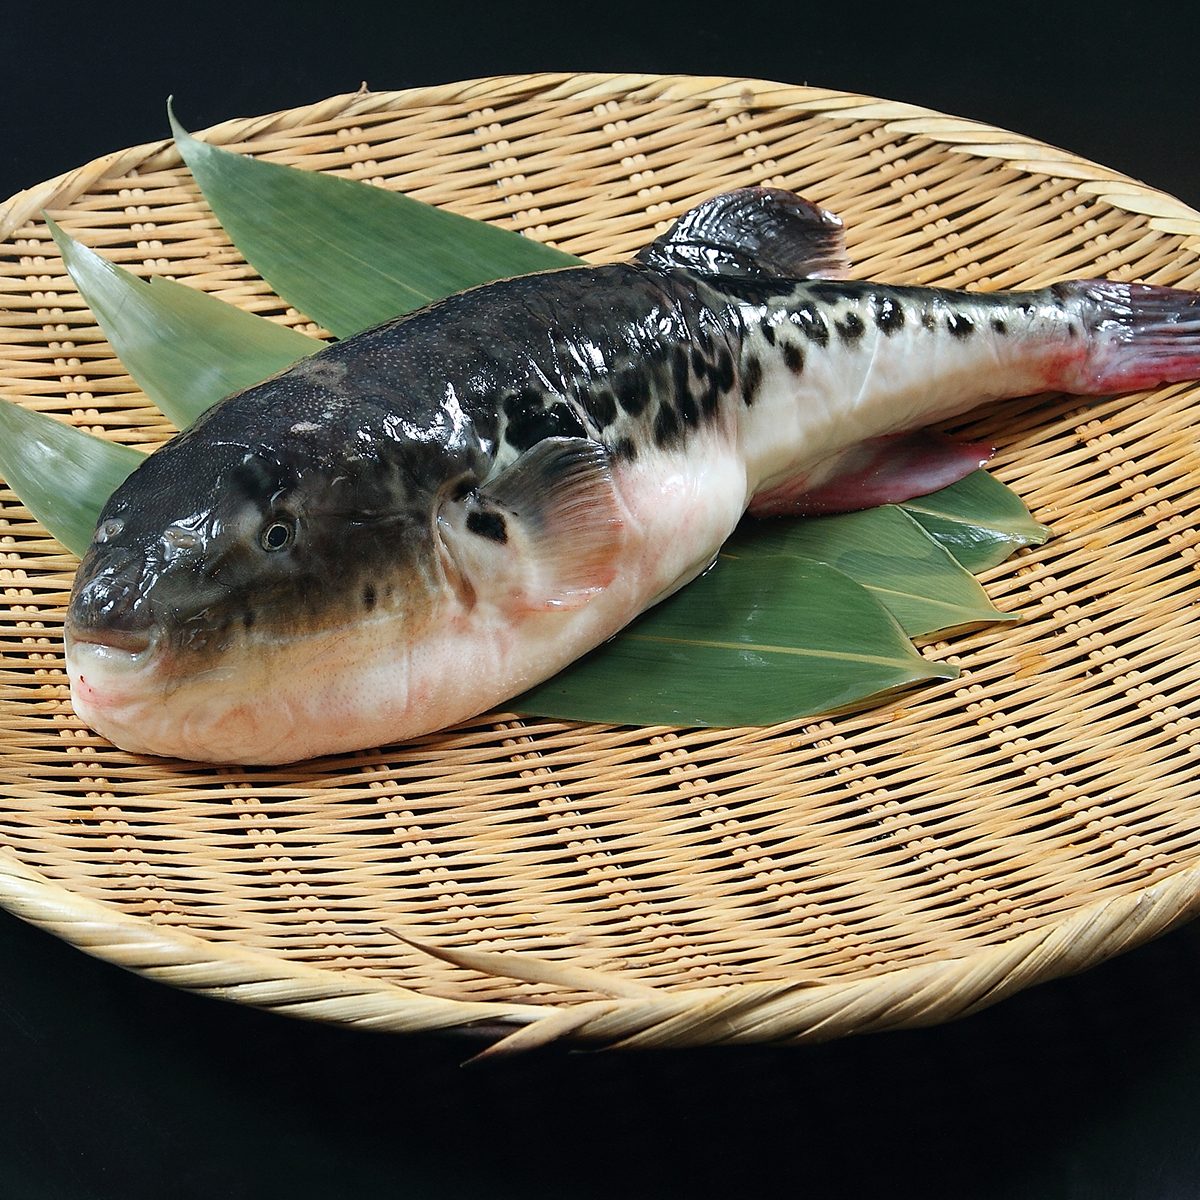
[{"x": 546, "y": 533}]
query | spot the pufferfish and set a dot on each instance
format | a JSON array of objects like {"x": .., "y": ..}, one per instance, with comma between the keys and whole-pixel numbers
[{"x": 427, "y": 518}]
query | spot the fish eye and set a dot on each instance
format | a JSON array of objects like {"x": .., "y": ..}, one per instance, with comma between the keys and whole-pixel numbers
[
  {"x": 109, "y": 529},
  {"x": 277, "y": 535}
]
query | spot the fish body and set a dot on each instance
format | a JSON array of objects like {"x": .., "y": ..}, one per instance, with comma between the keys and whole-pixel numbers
[{"x": 423, "y": 520}]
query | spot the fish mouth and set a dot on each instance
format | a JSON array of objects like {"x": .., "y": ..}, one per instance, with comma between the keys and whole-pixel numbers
[{"x": 120, "y": 649}]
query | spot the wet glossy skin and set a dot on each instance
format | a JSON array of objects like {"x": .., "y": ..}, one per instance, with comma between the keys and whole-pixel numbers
[
  {"x": 310, "y": 498},
  {"x": 312, "y": 510}
]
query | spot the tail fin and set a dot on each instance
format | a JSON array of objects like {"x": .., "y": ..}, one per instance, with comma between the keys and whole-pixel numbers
[{"x": 1141, "y": 336}]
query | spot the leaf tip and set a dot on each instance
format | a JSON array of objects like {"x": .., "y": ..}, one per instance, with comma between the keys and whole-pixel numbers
[
  {"x": 67, "y": 245},
  {"x": 943, "y": 670},
  {"x": 85, "y": 266},
  {"x": 184, "y": 142},
  {"x": 75, "y": 254}
]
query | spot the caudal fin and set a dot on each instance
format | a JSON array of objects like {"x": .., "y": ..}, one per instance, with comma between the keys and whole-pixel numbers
[{"x": 1138, "y": 336}]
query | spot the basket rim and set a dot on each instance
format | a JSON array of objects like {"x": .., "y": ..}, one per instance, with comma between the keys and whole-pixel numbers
[
  {"x": 633, "y": 1015},
  {"x": 1166, "y": 213}
]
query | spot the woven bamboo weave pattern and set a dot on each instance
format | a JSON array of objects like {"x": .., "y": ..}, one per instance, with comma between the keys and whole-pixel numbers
[{"x": 901, "y": 864}]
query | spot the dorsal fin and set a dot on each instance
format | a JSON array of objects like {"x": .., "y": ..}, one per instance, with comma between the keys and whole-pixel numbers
[{"x": 758, "y": 233}]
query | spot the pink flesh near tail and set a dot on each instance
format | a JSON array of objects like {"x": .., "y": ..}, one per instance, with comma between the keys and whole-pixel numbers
[{"x": 1139, "y": 337}]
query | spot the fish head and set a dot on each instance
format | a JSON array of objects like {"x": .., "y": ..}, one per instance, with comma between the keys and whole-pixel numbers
[{"x": 229, "y": 578}]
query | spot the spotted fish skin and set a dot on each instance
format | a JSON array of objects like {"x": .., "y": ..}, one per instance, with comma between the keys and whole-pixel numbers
[{"x": 425, "y": 519}]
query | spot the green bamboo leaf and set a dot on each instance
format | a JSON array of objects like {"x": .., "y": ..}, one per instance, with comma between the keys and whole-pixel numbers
[
  {"x": 62, "y": 474},
  {"x": 918, "y": 581},
  {"x": 349, "y": 254},
  {"x": 185, "y": 349},
  {"x": 979, "y": 520},
  {"x": 766, "y": 638}
]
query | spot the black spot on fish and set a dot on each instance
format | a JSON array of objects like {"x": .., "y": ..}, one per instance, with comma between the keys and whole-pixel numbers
[
  {"x": 710, "y": 398},
  {"x": 680, "y": 378},
  {"x": 706, "y": 342},
  {"x": 929, "y": 319},
  {"x": 699, "y": 366},
  {"x": 666, "y": 425},
  {"x": 624, "y": 448},
  {"x": 959, "y": 324},
  {"x": 723, "y": 371},
  {"x": 888, "y": 313},
  {"x": 632, "y": 393},
  {"x": 752, "y": 374},
  {"x": 248, "y": 619},
  {"x": 850, "y": 327},
  {"x": 1072, "y": 329},
  {"x": 999, "y": 326},
  {"x": 768, "y": 332},
  {"x": 566, "y": 421},
  {"x": 812, "y": 324},
  {"x": 520, "y": 409},
  {"x": 462, "y": 489},
  {"x": 601, "y": 406},
  {"x": 793, "y": 356},
  {"x": 531, "y": 421},
  {"x": 368, "y": 593},
  {"x": 489, "y": 525}
]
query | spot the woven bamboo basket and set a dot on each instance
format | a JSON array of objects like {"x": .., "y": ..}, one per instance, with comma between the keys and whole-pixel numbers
[{"x": 899, "y": 865}]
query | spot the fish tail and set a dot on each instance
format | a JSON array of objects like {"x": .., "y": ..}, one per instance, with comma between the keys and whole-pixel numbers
[{"x": 1138, "y": 336}]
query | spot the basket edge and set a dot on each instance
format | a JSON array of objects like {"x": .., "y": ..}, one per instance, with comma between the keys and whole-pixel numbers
[
  {"x": 1165, "y": 212},
  {"x": 783, "y": 1012}
]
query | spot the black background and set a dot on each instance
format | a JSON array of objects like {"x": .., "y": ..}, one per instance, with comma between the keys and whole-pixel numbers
[{"x": 116, "y": 1087}]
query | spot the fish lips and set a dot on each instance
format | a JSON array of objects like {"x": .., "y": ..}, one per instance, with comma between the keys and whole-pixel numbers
[
  {"x": 119, "y": 649},
  {"x": 110, "y": 640},
  {"x": 109, "y": 669}
]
